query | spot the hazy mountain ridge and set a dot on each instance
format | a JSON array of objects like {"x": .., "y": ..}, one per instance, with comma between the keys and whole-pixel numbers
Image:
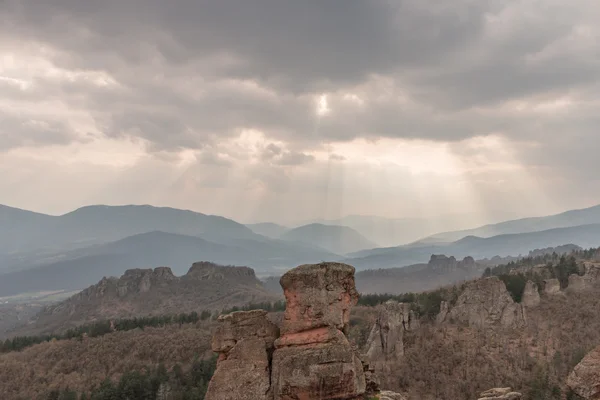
[
  {"x": 334, "y": 238},
  {"x": 101, "y": 224},
  {"x": 82, "y": 267},
  {"x": 569, "y": 218},
  {"x": 268, "y": 229},
  {"x": 479, "y": 248}
]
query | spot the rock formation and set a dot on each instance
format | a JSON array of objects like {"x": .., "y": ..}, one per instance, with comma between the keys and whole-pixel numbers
[
  {"x": 312, "y": 359},
  {"x": 500, "y": 394},
  {"x": 486, "y": 302},
  {"x": 443, "y": 264},
  {"x": 551, "y": 286},
  {"x": 584, "y": 380},
  {"x": 531, "y": 295},
  {"x": 244, "y": 342},
  {"x": 444, "y": 311},
  {"x": 153, "y": 292},
  {"x": 592, "y": 271},
  {"x": 386, "y": 340},
  {"x": 209, "y": 271},
  {"x": 386, "y": 395}
]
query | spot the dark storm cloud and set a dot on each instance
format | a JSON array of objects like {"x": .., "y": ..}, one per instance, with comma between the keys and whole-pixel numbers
[{"x": 189, "y": 73}]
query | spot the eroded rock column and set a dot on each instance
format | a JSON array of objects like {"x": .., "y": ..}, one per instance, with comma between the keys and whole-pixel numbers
[
  {"x": 386, "y": 340},
  {"x": 313, "y": 358}
]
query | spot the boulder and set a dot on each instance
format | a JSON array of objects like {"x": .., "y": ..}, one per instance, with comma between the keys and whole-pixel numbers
[
  {"x": 318, "y": 295},
  {"x": 551, "y": 286},
  {"x": 386, "y": 340},
  {"x": 531, "y": 295},
  {"x": 486, "y": 302},
  {"x": 500, "y": 394},
  {"x": 584, "y": 380},
  {"x": 244, "y": 341}
]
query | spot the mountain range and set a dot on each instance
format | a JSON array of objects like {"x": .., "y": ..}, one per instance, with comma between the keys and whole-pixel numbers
[{"x": 68, "y": 252}]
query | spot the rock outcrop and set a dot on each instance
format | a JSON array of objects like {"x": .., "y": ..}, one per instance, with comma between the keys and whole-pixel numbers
[
  {"x": 386, "y": 340},
  {"x": 244, "y": 341},
  {"x": 500, "y": 394},
  {"x": 442, "y": 264},
  {"x": 531, "y": 295},
  {"x": 386, "y": 395},
  {"x": 444, "y": 311},
  {"x": 209, "y": 271},
  {"x": 552, "y": 286},
  {"x": 155, "y": 292},
  {"x": 313, "y": 358},
  {"x": 584, "y": 380},
  {"x": 591, "y": 270},
  {"x": 486, "y": 302}
]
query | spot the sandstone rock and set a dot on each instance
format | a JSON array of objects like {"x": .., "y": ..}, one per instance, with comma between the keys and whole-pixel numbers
[
  {"x": 444, "y": 311},
  {"x": 486, "y": 302},
  {"x": 241, "y": 325},
  {"x": 244, "y": 341},
  {"x": 385, "y": 341},
  {"x": 531, "y": 295},
  {"x": 371, "y": 380},
  {"x": 387, "y": 395},
  {"x": 325, "y": 371},
  {"x": 313, "y": 358},
  {"x": 500, "y": 394},
  {"x": 318, "y": 295},
  {"x": 584, "y": 380},
  {"x": 551, "y": 286}
]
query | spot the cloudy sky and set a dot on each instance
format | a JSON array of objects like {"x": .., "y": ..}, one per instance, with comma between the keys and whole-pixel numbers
[{"x": 289, "y": 110}]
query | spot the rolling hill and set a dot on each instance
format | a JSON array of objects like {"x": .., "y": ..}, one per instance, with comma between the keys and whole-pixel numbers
[
  {"x": 567, "y": 219},
  {"x": 336, "y": 239},
  {"x": 23, "y": 231}
]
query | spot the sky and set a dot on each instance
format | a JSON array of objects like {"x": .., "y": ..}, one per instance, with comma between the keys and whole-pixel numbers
[{"x": 285, "y": 111}]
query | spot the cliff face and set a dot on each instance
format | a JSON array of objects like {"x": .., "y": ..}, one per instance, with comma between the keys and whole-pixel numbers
[
  {"x": 140, "y": 292},
  {"x": 312, "y": 359}
]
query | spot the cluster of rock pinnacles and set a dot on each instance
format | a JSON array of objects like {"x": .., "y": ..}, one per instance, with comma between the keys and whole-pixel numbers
[{"x": 308, "y": 357}]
